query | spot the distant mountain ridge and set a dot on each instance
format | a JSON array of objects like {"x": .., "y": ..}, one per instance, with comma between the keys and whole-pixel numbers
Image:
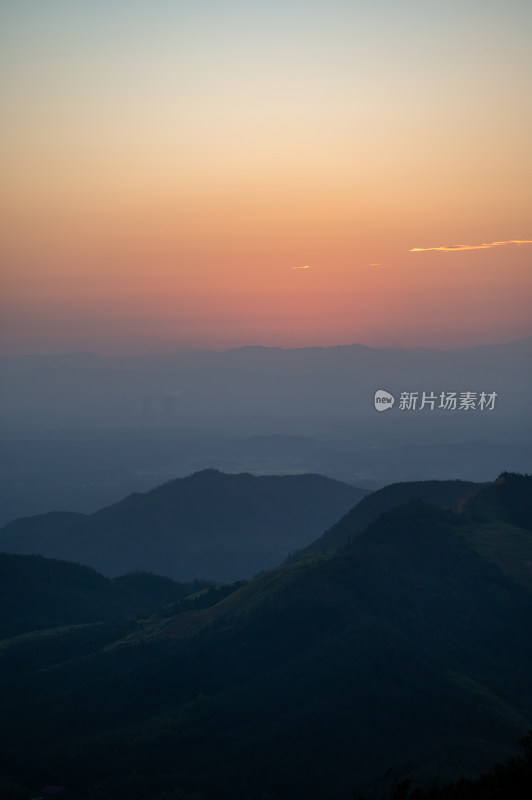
[
  {"x": 258, "y": 390},
  {"x": 210, "y": 525},
  {"x": 242, "y": 354}
]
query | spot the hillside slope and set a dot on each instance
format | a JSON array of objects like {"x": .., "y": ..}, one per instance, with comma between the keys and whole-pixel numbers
[{"x": 442, "y": 493}]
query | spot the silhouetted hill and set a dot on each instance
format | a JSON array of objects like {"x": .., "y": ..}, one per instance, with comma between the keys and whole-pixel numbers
[
  {"x": 509, "y": 498},
  {"x": 442, "y": 493},
  {"x": 406, "y": 654},
  {"x": 38, "y": 593},
  {"x": 209, "y": 525}
]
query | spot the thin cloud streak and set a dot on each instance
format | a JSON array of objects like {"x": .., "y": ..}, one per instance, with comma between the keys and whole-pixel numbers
[
  {"x": 307, "y": 267},
  {"x": 452, "y": 247}
]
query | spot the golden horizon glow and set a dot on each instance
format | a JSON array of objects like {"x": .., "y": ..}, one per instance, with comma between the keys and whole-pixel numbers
[{"x": 171, "y": 170}]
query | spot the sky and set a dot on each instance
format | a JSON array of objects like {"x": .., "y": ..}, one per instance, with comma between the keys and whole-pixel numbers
[{"x": 217, "y": 174}]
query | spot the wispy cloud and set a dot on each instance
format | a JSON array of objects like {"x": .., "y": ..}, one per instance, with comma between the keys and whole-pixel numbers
[
  {"x": 450, "y": 248},
  {"x": 307, "y": 267}
]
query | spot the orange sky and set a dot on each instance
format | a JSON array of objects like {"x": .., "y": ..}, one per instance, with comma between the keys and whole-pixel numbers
[{"x": 165, "y": 168}]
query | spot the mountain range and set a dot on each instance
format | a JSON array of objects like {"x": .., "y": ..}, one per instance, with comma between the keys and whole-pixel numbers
[
  {"x": 400, "y": 658},
  {"x": 80, "y": 431},
  {"x": 311, "y": 391}
]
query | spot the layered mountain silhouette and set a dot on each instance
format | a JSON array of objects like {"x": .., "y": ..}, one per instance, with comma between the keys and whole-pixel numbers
[
  {"x": 404, "y": 655},
  {"x": 442, "y": 493},
  {"x": 210, "y": 525}
]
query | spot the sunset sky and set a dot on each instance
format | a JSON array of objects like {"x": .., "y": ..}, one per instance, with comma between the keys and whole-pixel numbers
[{"x": 169, "y": 168}]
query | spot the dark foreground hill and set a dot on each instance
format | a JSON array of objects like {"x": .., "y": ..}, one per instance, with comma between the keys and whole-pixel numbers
[
  {"x": 210, "y": 525},
  {"x": 441, "y": 493},
  {"x": 38, "y": 593},
  {"x": 404, "y": 656}
]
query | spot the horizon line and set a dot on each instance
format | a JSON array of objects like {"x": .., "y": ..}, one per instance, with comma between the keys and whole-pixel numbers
[{"x": 256, "y": 346}]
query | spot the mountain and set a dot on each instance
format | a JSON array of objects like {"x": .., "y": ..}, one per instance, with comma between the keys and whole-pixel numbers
[
  {"x": 38, "y": 593},
  {"x": 509, "y": 498},
  {"x": 442, "y": 493},
  {"x": 310, "y": 391},
  {"x": 209, "y": 525},
  {"x": 403, "y": 656},
  {"x": 79, "y": 432}
]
